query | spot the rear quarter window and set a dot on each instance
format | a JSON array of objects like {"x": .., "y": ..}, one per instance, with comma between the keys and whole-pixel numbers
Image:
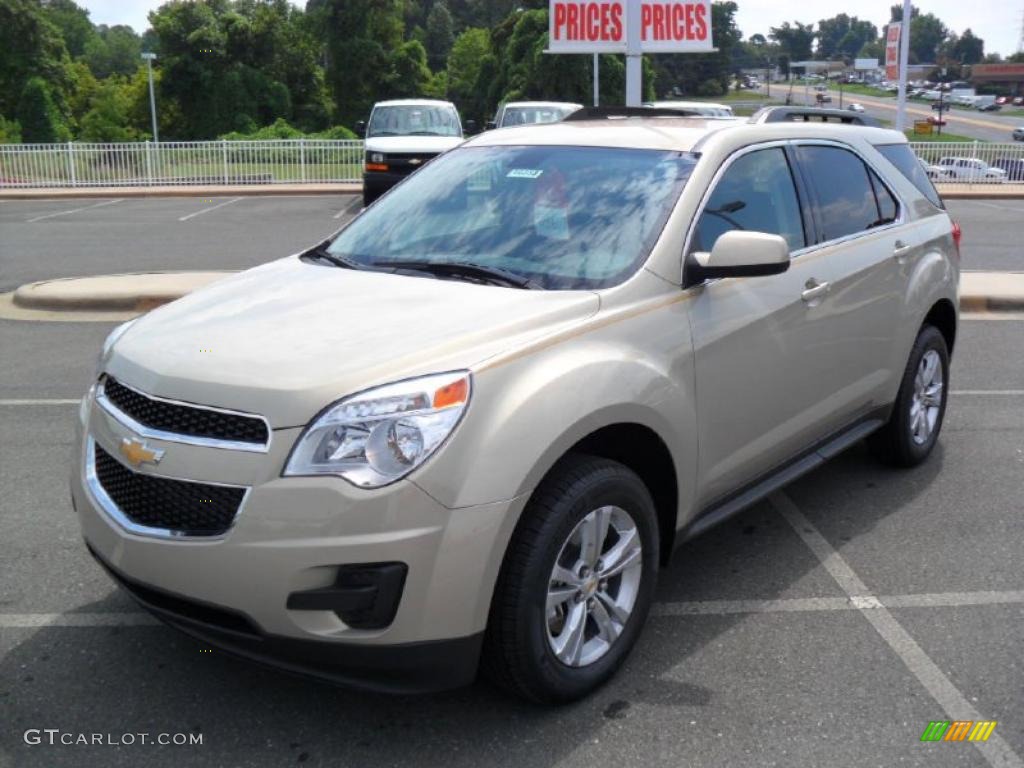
[{"x": 903, "y": 157}]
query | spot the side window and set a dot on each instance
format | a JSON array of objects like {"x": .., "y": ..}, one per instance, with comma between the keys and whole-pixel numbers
[
  {"x": 756, "y": 193},
  {"x": 888, "y": 208},
  {"x": 846, "y": 201}
]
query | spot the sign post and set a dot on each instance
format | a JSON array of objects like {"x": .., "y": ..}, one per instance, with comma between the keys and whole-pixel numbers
[
  {"x": 630, "y": 27},
  {"x": 904, "y": 55}
]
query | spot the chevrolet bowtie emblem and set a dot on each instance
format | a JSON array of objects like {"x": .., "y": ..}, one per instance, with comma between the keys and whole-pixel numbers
[{"x": 137, "y": 453}]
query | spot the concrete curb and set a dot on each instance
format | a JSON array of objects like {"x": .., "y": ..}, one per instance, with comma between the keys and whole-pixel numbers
[
  {"x": 140, "y": 292},
  {"x": 980, "y": 192},
  {"x": 242, "y": 190},
  {"x": 137, "y": 292}
]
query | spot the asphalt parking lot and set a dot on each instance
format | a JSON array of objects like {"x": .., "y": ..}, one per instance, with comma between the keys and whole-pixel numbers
[{"x": 824, "y": 627}]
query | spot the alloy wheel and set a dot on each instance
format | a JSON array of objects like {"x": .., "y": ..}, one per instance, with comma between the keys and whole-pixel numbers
[{"x": 593, "y": 586}]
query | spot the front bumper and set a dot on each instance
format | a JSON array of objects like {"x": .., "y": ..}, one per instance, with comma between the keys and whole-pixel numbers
[{"x": 294, "y": 536}]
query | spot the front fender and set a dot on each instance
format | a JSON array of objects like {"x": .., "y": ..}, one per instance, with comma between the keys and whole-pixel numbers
[{"x": 526, "y": 413}]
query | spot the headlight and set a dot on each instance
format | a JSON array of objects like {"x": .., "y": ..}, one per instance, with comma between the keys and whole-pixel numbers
[
  {"x": 108, "y": 345},
  {"x": 377, "y": 157},
  {"x": 381, "y": 435}
]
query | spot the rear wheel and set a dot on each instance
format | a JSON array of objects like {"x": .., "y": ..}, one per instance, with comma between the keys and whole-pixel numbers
[
  {"x": 576, "y": 583},
  {"x": 913, "y": 428}
]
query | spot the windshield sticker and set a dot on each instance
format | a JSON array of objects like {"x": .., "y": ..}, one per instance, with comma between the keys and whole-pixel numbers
[
  {"x": 551, "y": 221},
  {"x": 523, "y": 173}
]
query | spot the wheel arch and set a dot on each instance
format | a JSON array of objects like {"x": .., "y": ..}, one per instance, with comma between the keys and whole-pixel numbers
[{"x": 942, "y": 315}]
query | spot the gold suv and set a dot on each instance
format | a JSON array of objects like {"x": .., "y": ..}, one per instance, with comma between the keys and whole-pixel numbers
[{"x": 466, "y": 430}]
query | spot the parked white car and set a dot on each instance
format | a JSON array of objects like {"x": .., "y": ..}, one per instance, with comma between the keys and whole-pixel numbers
[
  {"x": 856, "y": 107},
  {"x": 1018, "y": 133},
  {"x": 532, "y": 112},
  {"x": 972, "y": 169}
]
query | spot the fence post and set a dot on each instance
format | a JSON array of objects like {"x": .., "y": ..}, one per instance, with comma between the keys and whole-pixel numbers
[
  {"x": 149, "y": 166},
  {"x": 302, "y": 157},
  {"x": 224, "y": 154},
  {"x": 71, "y": 165}
]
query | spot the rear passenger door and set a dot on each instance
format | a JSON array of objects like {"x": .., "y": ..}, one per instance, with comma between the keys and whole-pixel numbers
[{"x": 861, "y": 247}]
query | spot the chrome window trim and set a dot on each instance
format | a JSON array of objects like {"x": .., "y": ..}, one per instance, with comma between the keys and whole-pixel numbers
[
  {"x": 176, "y": 437},
  {"x": 783, "y": 143},
  {"x": 104, "y": 502}
]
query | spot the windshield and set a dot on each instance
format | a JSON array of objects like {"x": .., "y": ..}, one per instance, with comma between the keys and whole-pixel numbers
[
  {"x": 409, "y": 120},
  {"x": 564, "y": 217},
  {"x": 529, "y": 115}
]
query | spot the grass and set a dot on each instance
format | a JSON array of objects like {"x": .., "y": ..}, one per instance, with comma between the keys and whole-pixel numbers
[
  {"x": 863, "y": 90},
  {"x": 941, "y": 138}
]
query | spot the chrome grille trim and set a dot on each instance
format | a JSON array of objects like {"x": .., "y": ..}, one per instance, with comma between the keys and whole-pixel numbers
[
  {"x": 102, "y": 498},
  {"x": 176, "y": 437}
]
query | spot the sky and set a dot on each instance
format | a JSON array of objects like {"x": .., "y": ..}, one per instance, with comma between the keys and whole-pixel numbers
[{"x": 998, "y": 22}]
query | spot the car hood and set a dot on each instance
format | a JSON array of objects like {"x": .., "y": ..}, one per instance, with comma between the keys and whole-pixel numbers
[
  {"x": 286, "y": 339},
  {"x": 412, "y": 144}
]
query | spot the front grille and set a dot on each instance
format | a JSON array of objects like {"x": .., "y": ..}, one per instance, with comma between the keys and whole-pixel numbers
[
  {"x": 191, "y": 509},
  {"x": 194, "y": 421},
  {"x": 405, "y": 163}
]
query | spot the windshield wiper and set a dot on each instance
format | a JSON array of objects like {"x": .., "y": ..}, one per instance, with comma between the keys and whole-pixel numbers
[
  {"x": 494, "y": 275},
  {"x": 321, "y": 252}
]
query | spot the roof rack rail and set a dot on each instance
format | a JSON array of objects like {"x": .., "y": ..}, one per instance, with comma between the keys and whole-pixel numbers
[
  {"x": 605, "y": 113},
  {"x": 812, "y": 114}
]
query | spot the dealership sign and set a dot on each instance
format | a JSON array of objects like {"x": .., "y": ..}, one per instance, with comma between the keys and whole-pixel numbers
[
  {"x": 602, "y": 27},
  {"x": 892, "y": 51}
]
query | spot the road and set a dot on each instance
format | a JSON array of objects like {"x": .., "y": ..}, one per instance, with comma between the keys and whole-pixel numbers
[
  {"x": 756, "y": 656},
  {"x": 984, "y": 126}
]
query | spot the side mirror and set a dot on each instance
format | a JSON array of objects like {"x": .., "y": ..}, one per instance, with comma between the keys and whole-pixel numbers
[
  {"x": 491, "y": 125},
  {"x": 742, "y": 254},
  {"x": 361, "y": 129},
  {"x": 471, "y": 126}
]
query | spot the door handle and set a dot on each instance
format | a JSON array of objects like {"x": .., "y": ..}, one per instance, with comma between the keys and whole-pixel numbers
[
  {"x": 901, "y": 251},
  {"x": 814, "y": 290}
]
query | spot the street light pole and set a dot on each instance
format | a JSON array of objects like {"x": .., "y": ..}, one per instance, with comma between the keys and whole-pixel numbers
[{"x": 152, "y": 99}]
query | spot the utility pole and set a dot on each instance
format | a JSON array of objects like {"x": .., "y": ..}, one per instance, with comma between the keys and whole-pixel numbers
[
  {"x": 634, "y": 57},
  {"x": 597, "y": 82},
  {"x": 152, "y": 99}
]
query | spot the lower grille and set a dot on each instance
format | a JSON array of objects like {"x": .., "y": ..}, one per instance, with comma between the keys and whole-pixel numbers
[{"x": 185, "y": 508}]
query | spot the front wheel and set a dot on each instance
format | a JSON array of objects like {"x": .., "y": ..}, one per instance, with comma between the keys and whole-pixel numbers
[
  {"x": 576, "y": 583},
  {"x": 913, "y": 428}
]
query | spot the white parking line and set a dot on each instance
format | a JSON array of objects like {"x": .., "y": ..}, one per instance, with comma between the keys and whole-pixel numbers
[
  {"x": 352, "y": 207},
  {"x": 859, "y": 603},
  {"x": 37, "y": 401},
  {"x": 34, "y": 620},
  {"x": 996, "y": 751},
  {"x": 211, "y": 208},
  {"x": 990, "y": 392},
  {"x": 74, "y": 210}
]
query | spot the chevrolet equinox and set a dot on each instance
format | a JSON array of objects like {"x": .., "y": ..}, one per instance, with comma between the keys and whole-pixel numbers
[{"x": 464, "y": 432}]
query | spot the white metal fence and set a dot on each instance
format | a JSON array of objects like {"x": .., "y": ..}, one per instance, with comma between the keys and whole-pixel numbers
[
  {"x": 310, "y": 161},
  {"x": 177, "y": 163},
  {"x": 972, "y": 162}
]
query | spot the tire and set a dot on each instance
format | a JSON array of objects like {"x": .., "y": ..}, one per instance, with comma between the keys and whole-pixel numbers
[
  {"x": 522, "y": 633},
  {"x": 368, "y": 197},
  {"x": 906, "y": 440}
]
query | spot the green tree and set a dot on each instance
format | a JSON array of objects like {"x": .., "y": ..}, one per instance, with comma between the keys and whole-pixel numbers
[
  {"x": 705, "y": 74},
  {"x": 108, "y": 116},
  {"x": 439, "y": 37},
  {"x": 73, "y": 23},
  {"x": 464, "y": 63},
  {"x": 236, "y": 65},
  {"x": 410, "y": 76},
  {"x": 31, "y": 46},
  {"x": 10, "y": 131},
  {"x": 113, "y": 51},
  {"x": 795, "y": 40},
  {"x": 361, "y": 37},
  {"x": 40, "y": 119},
  {"x": 927, "y": 33},
  {"x": 842, "y": 36},
  {"x": 968, "y": 48}
]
